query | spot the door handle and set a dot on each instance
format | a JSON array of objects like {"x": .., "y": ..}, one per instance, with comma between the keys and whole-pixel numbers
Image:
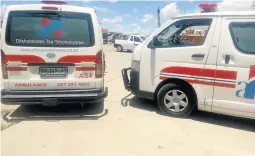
[
  {"x": 135, "y": 44},
  {"x": 198, "y": 57},
  {"x": 227, "y": 59}
]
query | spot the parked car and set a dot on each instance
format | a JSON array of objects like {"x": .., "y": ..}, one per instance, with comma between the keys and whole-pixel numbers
[
  {"x": 110, "y": 37},
  {"x": 105, "y": 38},
  {"x": 128, "y": 42},
  {"x": 215, "y": 73}
]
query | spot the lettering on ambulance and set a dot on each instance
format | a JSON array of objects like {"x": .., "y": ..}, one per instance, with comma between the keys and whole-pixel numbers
[
  {"x": 248, "y": 88},
  {"x": 30, "y": 84},
  {"x": 220, "y": 78},
  {"x": 85, "y": 75},
  {"x": 86, "y": 72},
  {"x": 74, "y": 84}
]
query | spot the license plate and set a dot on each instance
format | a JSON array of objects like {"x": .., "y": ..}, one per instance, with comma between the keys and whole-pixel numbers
[{"x": 53, "y": 72}]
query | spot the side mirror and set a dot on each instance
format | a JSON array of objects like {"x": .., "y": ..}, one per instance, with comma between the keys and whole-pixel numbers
[{"x": 154, "y": 42}]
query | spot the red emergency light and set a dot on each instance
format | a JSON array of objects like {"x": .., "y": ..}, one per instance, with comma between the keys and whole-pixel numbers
[
  {"x": 208, "y": 7},
  {"x": 54, "y": 2}
]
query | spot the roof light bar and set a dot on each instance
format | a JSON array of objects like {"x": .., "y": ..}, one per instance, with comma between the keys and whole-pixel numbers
[
  {"x": 208, "y": 7},
  {"x": 54, "y": 2}
]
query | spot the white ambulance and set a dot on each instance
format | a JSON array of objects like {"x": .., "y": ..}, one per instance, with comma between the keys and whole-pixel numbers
[
  {"x": 51, "y": 54},
  {"x": 213, "y": 71}
]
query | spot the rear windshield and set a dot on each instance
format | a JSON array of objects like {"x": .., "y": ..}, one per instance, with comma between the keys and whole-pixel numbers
[{"x": 49, "y": 29}]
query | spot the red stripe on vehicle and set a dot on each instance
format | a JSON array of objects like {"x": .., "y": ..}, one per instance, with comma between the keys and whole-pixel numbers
[
  {"x": 25, "y": 58},
  {"x": 223, "y": 74},
  {"x": 252, "y": 72},
  {"x": 163, "y": 77},
  {"x": 77, "y": 59},
  {"x": 218, "y": 84},
  {"x": 85, "y": 68},
  {"x": 16, "y": 68}
]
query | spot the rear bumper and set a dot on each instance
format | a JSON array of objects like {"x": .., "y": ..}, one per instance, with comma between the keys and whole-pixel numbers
[{"x": 52, "y": 97}]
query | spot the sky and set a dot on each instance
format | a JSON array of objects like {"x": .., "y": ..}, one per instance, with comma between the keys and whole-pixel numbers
[{"x": 140, "y": 16}]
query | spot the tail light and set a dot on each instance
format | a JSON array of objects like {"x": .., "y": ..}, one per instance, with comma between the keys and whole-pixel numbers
[
  {"x": 99, "y": 64},
  {"x": 4, "y": 65}
]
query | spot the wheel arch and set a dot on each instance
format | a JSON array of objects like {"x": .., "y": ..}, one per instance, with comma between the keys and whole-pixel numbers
[{"x": 115, "y": 45}]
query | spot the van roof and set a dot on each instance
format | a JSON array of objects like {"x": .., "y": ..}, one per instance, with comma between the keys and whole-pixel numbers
[
  {"x": 216, "y": 14},
  {"x": 37, "y": 6}
]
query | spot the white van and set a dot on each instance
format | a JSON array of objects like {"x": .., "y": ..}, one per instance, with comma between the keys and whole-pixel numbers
[
  {"x": 129, "y": 42},
  {"x": 213, "y": 72},
  {"x": 51, "y": 54}
]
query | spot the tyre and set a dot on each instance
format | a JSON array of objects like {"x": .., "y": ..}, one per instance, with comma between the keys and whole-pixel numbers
[
  {"x": 175, "y": 100},
  {"x": 119, "y": 48}
]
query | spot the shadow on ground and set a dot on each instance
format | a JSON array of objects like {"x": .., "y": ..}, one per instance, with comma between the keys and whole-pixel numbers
[
  {"x": 59, "y": 112},
  {"x": 206, "y": 117}
]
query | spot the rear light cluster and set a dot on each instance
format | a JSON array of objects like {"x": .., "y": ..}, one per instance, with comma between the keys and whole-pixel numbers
[
  {"x": 4, "y": 65},
  {"x": 99, "y": 64}
]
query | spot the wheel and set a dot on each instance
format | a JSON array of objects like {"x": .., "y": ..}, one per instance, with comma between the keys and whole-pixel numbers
[
  {"x": 175, "y": 100},
  {"x": 119, "y": 48}
]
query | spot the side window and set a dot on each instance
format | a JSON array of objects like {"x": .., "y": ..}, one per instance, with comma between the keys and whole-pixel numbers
[
  {"x": 137, "y": 39},
  {"x": 132, "y": 38},
  {"x": 243, "y": 35},
  {"x": 183, "y": 33}
]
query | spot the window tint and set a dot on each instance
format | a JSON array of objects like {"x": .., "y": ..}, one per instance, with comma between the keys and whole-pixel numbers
[
  {"x": 243, "y": 35},
  {"x": 137, "y": 39},
  {"x": 47, "y": 29},
  {"x": 183, "y": 33},
  {"x": 132, "y": 38}
]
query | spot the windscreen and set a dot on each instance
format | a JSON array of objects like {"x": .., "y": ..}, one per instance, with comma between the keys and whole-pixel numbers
[{"x": 49, "y": 29}]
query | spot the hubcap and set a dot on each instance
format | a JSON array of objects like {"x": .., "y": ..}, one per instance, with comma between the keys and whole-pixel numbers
[{"x": 176, "y": 100}]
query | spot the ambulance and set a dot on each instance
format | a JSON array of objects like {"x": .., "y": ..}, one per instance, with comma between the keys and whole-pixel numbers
[
  {"x": 211, "y": 71},
  {"x": 51, "y": 54}
]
